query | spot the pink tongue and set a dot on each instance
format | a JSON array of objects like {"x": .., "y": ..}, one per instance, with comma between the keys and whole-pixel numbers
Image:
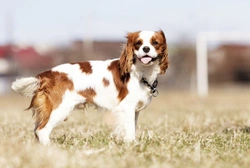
[{"x": 146, "y": 60}]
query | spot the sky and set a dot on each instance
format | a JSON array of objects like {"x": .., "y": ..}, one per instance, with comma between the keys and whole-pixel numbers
[{"x": 59, "y": 21}]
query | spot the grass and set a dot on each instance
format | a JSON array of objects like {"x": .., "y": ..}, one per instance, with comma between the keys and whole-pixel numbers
[{"x": 177, "y": 130}]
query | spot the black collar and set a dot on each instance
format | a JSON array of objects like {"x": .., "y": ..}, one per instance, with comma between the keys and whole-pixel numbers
[{"x": 152, "y": 87}]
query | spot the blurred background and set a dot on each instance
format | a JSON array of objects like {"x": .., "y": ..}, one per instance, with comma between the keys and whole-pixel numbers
[{"x": 37, "y": 35}]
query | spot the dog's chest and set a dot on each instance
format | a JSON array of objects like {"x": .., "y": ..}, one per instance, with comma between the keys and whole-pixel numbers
[
  {"x": 143, "y": 103},
  {"x": 139, "y": 95}
]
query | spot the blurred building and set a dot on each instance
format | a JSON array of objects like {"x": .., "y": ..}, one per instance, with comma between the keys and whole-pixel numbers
[
  {"x": 230, "y": 63},
  {"x": 20, "y": 61},
  {"x": 226, "y": 63}
]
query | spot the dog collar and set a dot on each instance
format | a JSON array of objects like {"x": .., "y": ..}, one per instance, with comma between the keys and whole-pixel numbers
[{"x": 152, "y": 87}]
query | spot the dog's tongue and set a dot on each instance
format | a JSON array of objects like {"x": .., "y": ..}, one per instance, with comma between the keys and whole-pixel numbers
[{"x": 146, "y": 60}]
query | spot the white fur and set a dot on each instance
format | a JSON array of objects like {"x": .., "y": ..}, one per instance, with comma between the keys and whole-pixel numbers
[
  {"x": 146, "y": 36},
  {"x": 126, "y": 110},
  {"x": 26, "y": 86},
  {"x": 106, "y": 96},
  {"x": 70, "y": 99}
]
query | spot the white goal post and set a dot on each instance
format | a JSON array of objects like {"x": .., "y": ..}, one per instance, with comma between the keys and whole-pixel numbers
[{"x": 201, "y": 54}]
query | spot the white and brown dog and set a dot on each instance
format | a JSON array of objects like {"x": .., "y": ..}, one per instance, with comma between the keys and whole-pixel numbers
[{"x": 124, "y": 86}]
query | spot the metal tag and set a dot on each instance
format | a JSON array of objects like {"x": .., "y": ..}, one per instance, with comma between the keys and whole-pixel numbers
[{"x": 155, "y": 93}]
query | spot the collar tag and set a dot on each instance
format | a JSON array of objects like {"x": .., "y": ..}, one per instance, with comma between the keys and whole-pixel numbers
[
  {"x": 152, "y": 87},
  {"x": 154, "y": 92}
]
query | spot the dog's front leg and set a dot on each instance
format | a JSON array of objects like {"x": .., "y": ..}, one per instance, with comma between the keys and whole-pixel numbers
[
  {"x": 136, "y": 119},
  {"x": 129, "y": 126},
  {"x": 125, "y": 125}
]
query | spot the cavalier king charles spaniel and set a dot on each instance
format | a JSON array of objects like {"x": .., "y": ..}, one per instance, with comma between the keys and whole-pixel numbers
[{"x": 123, "y": 86}]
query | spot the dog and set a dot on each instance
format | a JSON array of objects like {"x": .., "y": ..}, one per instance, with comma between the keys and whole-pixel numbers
[{"x": 124, "y": 86}]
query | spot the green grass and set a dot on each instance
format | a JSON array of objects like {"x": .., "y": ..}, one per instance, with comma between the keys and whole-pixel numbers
[{"x": 177, "y": 130}]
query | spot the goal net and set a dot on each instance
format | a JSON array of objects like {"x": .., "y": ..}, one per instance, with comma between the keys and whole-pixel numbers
[{"x": 202, "y": 41}]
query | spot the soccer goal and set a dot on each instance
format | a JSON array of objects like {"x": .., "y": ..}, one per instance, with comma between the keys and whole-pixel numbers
[{"x": 202, "y": 41}]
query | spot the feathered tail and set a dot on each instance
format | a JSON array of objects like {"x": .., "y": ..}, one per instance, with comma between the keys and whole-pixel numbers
[{"x": 26, "y": 86}]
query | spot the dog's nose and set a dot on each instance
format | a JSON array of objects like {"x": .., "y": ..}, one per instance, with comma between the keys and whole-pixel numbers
[{"x": 146, "y": 49}]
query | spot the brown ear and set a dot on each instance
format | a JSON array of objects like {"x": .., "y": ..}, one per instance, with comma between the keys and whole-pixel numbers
[
  {"x": 164, "y": 62},
  {"x": 126, "y": 58}
]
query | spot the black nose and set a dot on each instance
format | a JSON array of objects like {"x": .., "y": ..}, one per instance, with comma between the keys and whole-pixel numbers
[{"x": 146, "y": 49}]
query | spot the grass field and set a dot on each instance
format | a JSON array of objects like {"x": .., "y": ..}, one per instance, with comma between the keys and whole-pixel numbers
[{"x": 177, "y": 130}]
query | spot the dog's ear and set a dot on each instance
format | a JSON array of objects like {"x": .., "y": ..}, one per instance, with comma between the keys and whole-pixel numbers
[
  {"x": 164, "y": 62},
  {"x": 127, "y": 56}
]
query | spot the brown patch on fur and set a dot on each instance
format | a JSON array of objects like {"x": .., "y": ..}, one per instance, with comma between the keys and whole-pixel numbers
[
  {"x": 49, "y": 95},
  {"x": 88, "y": 94},
  {"x": 139, "y": 105},
  {"x": 138, "y": 43},
  {"x": 127, "y": 56},
  {"x": 161, "y": 49},
  {"x": 105, "y": 82},
  {"x": 134, "y": 43},
  {"x": 119, "y": 80},
  {"x": 85, "y": 67}
]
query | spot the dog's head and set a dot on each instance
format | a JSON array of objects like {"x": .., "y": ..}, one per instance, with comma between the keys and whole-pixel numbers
[{"x": 147, "y": 48}]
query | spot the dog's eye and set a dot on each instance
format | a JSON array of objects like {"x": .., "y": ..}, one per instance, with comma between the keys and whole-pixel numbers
[
  {"x": 138, "y": 43},
  {"x": 155, "y": 43}
]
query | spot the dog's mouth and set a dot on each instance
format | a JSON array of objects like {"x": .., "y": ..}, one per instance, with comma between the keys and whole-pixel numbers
[{"x": 146, "y": 59}]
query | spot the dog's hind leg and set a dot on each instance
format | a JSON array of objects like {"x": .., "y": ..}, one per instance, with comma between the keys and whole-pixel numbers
[{"x": 59, "y": 114}]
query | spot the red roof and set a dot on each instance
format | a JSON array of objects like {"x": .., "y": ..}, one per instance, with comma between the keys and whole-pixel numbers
[
  {"x": 29, "y": 58},
  {"x": 26, "y": 57},
  {"x": 4, "y": 50}
]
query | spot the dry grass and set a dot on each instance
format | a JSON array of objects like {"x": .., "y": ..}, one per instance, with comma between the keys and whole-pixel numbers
[{"x": 176, "y": 130}]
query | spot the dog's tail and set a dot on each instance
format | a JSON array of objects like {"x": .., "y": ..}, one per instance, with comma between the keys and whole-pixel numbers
[{"x": 26, "y": 86}]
